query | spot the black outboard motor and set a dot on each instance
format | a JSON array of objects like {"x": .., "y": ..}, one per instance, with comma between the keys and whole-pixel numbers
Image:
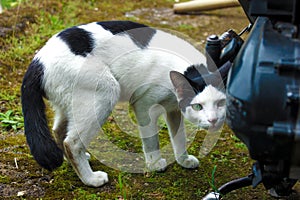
[{"x": 263, "y": 96}]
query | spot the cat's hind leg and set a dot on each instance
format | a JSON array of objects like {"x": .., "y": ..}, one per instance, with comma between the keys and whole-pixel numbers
[
  {"x": 75, "y": 151},
  {"x": 59, "y": 126},
  {"x": 177, "y": 134},
  {"x": 90, "y": 109}
]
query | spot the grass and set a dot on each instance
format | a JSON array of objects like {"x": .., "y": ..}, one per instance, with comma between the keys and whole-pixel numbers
[
  {"x": 9, "y": 3},
  {"x": 10, "y": 117},
  {"x": 212, "y": 181},
  {"x": 11, "y": 120},
  {"x": 28, "y": 25},
  {"x": 121, "y": 185}
]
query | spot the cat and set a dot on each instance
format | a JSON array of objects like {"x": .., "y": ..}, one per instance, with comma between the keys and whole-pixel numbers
[{"x": 83, "y": 71}]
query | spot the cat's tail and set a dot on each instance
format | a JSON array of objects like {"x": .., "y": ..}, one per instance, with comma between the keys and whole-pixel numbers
[{"x": 42, "y": 145}]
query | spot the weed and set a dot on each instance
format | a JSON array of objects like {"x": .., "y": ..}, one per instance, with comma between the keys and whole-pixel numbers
[
  {"x": 9, "y": 3},
  {"x": 121, "y": 186},
  {"x": 6, "y": 96},
  {"x": 83, "y": 194},
  {"x": 212, "y": 181},
  {"x": 238, "y": 143},
  {"x": 245, "y": 159},
  {"x": 4, "y": 179},
  {"x": 221, "y": 157},
  {"x": 9, "y": 120}
]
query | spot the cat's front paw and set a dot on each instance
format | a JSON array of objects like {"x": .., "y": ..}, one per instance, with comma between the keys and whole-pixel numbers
[
  {"x": 188, "y": 161},
  {"x": 159, "y": 165},
  {"x": 96, "y": 179},
  {"x": 87, "y": 155}
]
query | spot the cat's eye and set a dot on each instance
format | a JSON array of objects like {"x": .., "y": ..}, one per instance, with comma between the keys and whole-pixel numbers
[
  {"x": 221, "y": 103},
  {"x": 197, "y": 107}
]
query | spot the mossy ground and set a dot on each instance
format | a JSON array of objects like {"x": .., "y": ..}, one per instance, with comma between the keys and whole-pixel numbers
[{"x": 26, "y": 27}]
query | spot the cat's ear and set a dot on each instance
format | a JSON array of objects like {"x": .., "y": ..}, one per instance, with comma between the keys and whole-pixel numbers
[
  {"x": 184, "y": 91},
  {"x": 195, "y": 72}
]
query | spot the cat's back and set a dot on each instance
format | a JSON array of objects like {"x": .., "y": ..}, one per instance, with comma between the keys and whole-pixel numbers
[
  {"x": 86, "y": 40},
  {"x": 134, "y": 53},
  {"x": 110, "y": 40}
]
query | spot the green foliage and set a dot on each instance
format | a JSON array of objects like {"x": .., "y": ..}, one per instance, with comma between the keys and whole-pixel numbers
[
  {"x": 5, "y": 96},
  {"x": 10, "y": 120},
  {"x": 122, "y": 186},
  {"x": 238, "y": 143},
  {"x": 9, "y": 3},
  {"x": 212, "y": 181},
  {"x": 221, "y": 157},
  {"x": 83, "y": 195},
  {"x": 4, "y": 179}
]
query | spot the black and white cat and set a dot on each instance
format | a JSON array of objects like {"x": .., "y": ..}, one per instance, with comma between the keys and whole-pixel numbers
[{"x": 85, "y": 70}]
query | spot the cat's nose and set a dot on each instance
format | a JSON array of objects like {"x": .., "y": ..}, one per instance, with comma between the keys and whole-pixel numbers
[{"x": 212, "y": 121}]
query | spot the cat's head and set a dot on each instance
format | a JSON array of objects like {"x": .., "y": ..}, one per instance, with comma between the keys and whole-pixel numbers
[{"x": 201, "y": 95}]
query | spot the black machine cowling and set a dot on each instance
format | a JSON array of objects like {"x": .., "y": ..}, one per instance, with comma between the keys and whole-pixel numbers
[{"x": 263, "y": 96}]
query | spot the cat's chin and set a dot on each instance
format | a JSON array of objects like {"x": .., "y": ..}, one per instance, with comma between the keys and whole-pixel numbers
[{"x": 214, "y": 128}]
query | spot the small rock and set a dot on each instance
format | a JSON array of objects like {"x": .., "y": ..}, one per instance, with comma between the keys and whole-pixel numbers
[{"x": 21, "y": 193}]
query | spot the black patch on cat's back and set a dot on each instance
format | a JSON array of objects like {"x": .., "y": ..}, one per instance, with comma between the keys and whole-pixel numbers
[
  {"x": 140, "y": 34},
  {"x": 78, "y": 40}
]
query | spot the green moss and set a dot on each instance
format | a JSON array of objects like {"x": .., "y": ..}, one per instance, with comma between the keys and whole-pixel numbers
[{"x": 5, "y": 179}]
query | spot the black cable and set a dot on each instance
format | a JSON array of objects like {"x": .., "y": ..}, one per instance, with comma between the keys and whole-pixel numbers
[{"x": 235, "y": 184}]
